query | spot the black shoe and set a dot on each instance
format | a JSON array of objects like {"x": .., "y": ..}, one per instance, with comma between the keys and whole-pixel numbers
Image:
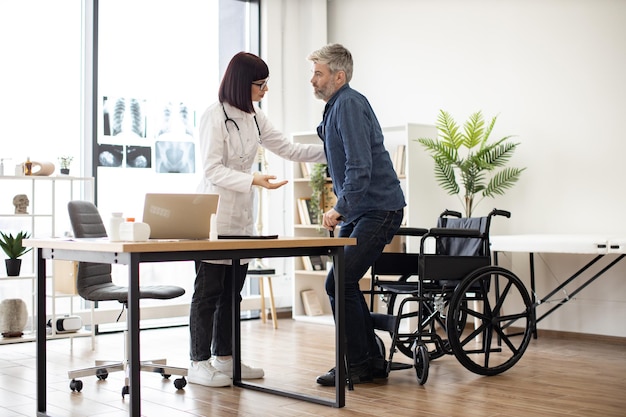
[
  {"x": 379, "y": 369},
  {"x": 328, "y": 379},
  {"x": 358, "y": 373}
]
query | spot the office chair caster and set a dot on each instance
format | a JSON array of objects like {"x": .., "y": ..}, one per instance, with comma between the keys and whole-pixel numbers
[
  {"x": 125, "y": 390},
  {"x": 102, "y": 374},
  {"x": 420, "y": 361},
  {"x": 76, "y": 385},
  {"x": 180, "y": 383}
]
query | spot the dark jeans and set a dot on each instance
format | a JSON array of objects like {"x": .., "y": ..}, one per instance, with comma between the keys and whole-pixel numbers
[
  {"x": 372, "y": 231},
  {"x": 211, "y": 313}
]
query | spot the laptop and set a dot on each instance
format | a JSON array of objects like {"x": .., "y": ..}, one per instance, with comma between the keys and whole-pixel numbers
[{"x": 179, "y": 216}]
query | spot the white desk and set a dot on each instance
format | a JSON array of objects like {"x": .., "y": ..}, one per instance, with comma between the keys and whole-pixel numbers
[
  {"x": 599, "y": 245},
  {"x": 134, "y": 253}
]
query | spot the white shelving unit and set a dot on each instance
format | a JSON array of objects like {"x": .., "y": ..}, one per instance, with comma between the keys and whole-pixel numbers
[
  {"x": 46, "y": 217},
  {"x": 304, "y": 279},
  {"x": 414, "y": 170}
]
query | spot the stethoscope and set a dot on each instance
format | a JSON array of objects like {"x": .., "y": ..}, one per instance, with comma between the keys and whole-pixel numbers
[{"x": 228, "y": 119}]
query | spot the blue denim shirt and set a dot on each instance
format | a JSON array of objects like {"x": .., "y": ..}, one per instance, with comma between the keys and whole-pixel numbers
[{"x": 358, "y": 163}]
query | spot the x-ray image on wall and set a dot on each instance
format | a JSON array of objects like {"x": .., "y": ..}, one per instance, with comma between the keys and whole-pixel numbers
[
  {"x": 125, "y": 117},
  {"x": 174, "y": 121},
  {"x": 174, "y": 157},
  {"x": 138, "y": 156},
  {"x": 110, "y": 155}
]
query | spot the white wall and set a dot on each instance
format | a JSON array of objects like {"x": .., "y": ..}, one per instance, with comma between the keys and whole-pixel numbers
[{"x": 554, "y": 72}]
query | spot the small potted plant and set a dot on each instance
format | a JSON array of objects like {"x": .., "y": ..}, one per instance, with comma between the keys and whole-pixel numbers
[
  {"x": 64, "y": 162},
  {"x": 12, "y": 246}
]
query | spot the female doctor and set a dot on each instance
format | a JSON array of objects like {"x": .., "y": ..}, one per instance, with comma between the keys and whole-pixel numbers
[{"x": 231, "y": 131}]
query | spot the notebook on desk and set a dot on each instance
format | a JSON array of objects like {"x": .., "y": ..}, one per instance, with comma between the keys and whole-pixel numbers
[{"x": 179, "y": 216}]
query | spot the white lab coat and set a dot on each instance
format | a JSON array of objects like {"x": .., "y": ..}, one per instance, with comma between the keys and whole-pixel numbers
[{"x": 228, "y": 158}]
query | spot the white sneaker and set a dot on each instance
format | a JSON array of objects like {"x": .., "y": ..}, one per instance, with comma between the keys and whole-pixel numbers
[
  {"x": 226, "y": 368},
  {"x": 203, "y": 373}
]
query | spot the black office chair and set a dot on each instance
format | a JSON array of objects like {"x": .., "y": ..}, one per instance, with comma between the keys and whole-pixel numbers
[{"x": 94, "y": 283}]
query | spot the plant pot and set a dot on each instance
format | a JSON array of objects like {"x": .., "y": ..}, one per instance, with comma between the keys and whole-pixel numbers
[
  {"x": 65, "y": 171},
  {"x": 13, "y": 267}
]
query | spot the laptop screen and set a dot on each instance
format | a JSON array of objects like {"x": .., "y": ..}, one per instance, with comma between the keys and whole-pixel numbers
[{"x": 179, "y": 216}]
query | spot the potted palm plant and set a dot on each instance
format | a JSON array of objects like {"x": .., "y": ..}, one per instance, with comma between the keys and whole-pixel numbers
[
  {"x": 464, "y": 158},
  {"x": 12, "y": 246}
]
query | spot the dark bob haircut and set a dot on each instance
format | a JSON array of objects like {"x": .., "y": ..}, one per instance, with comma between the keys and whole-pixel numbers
[{"x": 236, "y": 86}]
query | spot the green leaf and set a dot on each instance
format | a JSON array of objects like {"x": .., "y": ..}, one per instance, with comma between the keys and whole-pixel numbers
[
  {"x": 502, "y": 181},
  {"x": 12, "y": 245},
  {"x": 449, "y": 130},
  {"x": 444, "y": 175},
  {"x": 474, "y": 129}
]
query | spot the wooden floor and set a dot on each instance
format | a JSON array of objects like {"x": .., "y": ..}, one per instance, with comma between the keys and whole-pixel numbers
[{"x": 556, "y": 377}]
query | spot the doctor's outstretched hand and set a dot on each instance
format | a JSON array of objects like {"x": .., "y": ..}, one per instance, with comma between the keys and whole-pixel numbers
[{"x": 263, "y": 180}]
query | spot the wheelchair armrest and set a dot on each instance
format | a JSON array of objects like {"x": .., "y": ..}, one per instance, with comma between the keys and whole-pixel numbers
[
  {"x": 441, "y": 231},
  {"x": 411, "y": 231}
]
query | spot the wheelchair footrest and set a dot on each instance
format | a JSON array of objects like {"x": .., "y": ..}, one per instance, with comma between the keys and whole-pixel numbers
[{"x": 395, "y": 366}]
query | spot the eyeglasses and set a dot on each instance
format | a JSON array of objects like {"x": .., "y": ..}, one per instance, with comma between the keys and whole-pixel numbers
[{"x": 262, "y": 84}]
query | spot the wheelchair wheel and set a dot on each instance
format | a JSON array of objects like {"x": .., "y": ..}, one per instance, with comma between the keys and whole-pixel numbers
[
  {"x": 498, "y": 311},
  {"x": 420, "y": 362}
]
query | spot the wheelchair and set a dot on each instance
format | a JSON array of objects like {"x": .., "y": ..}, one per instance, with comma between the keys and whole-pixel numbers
[{"x": 449, "y": 299}]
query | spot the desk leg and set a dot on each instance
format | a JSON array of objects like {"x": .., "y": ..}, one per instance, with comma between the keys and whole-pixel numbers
[
  {"x": 533, "y": 299},
  {"x": 340, "y": 383},
  {"x": 41, "y": 334},
  {"x": 237, "y": 273},
  {"x": 340, "y": 336},
  {"x": 133, "y": 334}
]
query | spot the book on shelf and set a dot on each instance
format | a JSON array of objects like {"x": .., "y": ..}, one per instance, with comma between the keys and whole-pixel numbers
[
  {"x": 311, "y": 303},
  {"x": 318, "y": 262},
  {"x": 313, "y": 219},
  {"x": 314, "y": 262},
  {"x": 398, "y": 159},
  {"x": 306, "y": 263},
  {"x": 307, "y": 214},
  {"x": 305, "y": 169},
  {"x": 303, "y": 211}
]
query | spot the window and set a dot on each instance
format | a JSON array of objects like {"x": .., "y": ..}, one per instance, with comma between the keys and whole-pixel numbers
[
  {"x": 40, "y": 110},
  {"x": 159, "y": 66}
]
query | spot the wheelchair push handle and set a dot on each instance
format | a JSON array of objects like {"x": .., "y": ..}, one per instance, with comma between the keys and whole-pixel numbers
[
  {"x": 451, "y": 213},
  {"x": 496, "y": 212}
]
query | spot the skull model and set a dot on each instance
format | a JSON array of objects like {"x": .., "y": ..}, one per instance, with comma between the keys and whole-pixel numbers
[{"x": 21, "y": 203}]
